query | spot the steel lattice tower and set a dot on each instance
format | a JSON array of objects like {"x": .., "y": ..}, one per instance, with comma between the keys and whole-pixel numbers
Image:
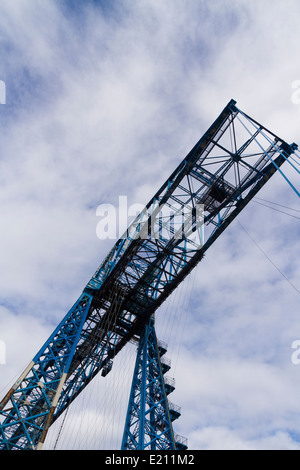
[
  {"x": 150, "y": 414},
  {"x": 210, "y": 187}
]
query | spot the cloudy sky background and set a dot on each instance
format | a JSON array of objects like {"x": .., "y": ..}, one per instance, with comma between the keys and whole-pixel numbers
[{"x": 104, "y": 98}]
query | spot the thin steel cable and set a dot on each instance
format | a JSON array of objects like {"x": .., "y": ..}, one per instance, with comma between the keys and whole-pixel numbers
[
  {"x": 277, "y": 210},
  {"x": 268, "y": 258},
  {"x": 276, "y": 204}
]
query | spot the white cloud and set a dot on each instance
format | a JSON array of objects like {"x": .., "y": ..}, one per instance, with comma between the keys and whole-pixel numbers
[{"x": 218, "y": 438}]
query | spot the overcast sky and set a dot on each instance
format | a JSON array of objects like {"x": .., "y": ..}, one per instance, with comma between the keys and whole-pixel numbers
[{"x": 105, "y": 99}]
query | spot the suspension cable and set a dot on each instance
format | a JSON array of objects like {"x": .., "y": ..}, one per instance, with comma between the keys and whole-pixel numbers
[{"x": 268, "y": 258}]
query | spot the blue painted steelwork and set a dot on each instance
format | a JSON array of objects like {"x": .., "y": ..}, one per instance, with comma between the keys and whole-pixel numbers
[
  {"x": 33, "y": 398},
  {"x": 150, "y": 414},
  {"x": 210, "y": 187}
]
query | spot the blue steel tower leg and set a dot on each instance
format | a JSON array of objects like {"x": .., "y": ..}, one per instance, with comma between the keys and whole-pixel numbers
[{"x": 149, "y": 417}]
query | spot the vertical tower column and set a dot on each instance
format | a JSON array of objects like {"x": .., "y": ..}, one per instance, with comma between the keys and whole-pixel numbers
[{"x": 149, "y": 417}]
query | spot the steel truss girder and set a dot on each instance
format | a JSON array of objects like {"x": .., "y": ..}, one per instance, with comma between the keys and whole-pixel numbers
[{"x": 221, "y": 174}]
